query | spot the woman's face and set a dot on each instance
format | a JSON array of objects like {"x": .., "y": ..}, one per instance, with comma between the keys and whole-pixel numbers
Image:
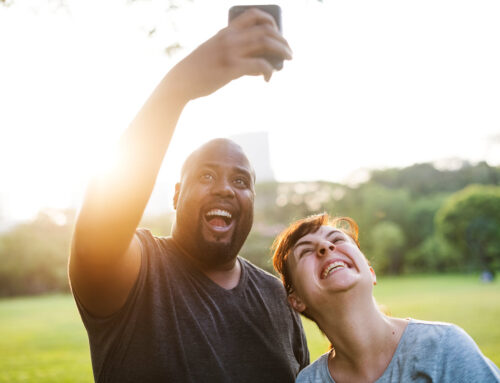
[{"x": 324, "y": 263}]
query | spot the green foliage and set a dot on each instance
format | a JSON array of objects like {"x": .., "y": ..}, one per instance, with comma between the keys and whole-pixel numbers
[
  {"x": 470, "y": 220},
  {"x": 420, "y": 220},
  {"x": 160, "y": 225},
  {"x": 387, "y": 250},
  {"x": 395, "y": 211},
  {"x": 372, "y": 204},
  {"x": 34, "y": 256},
  {"x": 434, "y": 254},
  {"x": 257, "y": 249},
  {"x": 425, "y": 179}
]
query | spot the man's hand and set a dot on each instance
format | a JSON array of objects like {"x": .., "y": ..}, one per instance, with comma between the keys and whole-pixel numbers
[{"x": 235, "y": 51}]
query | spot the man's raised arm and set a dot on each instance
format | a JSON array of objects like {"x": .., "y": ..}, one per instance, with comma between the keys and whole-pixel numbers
[{"x": 106, "y": 256}]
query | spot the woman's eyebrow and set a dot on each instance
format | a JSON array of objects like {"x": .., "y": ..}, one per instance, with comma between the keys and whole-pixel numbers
[
  {"x": 334, "y": 231},
  {"x": 301, "y": 243}
]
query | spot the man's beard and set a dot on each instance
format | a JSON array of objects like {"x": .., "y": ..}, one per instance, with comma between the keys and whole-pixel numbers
[{"x": 213, "y": 254}]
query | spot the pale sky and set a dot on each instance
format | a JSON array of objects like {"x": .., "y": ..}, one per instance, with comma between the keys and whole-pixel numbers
[{"x": 372, "y": 84}]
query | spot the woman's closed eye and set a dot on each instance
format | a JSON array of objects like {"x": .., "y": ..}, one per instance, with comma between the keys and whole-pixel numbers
[
  {"x": 337, "y": 240},
  {"x": 305, "y": 251}
]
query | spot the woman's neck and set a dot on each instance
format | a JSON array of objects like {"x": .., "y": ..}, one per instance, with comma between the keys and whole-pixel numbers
[{"x": 364, "y": 339}]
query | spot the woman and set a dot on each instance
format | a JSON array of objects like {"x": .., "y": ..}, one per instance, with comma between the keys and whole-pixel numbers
[{"x": 329, "y": 280}]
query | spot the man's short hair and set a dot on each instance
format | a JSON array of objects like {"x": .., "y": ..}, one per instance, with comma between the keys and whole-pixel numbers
[{"x": 284, "y": 243}]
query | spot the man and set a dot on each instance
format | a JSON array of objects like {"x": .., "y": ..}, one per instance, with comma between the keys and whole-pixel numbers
[{"x": 184, "y": 308}]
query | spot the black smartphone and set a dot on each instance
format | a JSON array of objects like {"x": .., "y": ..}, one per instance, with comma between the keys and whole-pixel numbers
[{"x": 275, "y": 11}]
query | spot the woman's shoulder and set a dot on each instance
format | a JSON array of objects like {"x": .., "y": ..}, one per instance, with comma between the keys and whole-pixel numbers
[
  {"x": 316, "y": 372},
  {"x": 441, "y": 337},
  {"x": 453, "y": 350},
  {"x": 422, "y": 331}
]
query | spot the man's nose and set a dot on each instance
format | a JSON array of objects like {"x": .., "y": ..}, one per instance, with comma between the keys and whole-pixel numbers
[
  {"x": 223, "y": 188},
  {"x": 325, "y": 247}
]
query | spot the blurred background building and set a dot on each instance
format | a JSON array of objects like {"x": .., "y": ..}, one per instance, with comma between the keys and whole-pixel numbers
[{"x": 256, "y": 147}]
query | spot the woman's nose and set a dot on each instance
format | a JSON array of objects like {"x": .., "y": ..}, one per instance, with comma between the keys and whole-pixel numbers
[{"x": 325, "y": 247}]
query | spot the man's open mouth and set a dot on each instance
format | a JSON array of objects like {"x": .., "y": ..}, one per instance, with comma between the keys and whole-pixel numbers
[
  {"x": 331, "y": 267},
  {"x": 219, "y": 219}
]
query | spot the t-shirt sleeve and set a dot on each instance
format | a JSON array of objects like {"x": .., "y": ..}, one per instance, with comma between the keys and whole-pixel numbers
[
  {"x": 463, "y": 361},
  {"x": 303, "y": 351},
  {"x": 95, "y": 322},
  {"x": 106, "y": 334},
  {"x": 317, "y": 372}
]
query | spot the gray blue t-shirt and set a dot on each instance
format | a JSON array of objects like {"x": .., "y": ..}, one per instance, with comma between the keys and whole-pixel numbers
[{"x": 427, "y": 352}]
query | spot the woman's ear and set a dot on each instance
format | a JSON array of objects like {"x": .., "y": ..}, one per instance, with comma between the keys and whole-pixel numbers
[
  {"x": 296, "y": 303},
  {"x": 374, "y": 276}
]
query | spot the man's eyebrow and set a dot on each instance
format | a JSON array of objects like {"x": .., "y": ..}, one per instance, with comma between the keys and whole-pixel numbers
[{"x": 215, "y": 165}]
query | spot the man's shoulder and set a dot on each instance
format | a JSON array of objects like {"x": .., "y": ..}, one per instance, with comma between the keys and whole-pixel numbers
[
  {"x": 256, "y": 272},
  {"x": 149, "y": 241},
  {"x": 146, "y": 234}
]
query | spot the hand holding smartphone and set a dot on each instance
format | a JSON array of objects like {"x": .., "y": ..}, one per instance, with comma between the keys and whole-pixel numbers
[{"x": 275, "y": 12}]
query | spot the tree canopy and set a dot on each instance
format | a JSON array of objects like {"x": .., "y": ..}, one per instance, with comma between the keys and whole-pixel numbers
[{"x": 470, "y": 220}]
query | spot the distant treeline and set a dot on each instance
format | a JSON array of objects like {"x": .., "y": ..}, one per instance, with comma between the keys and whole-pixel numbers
[{"x": 416, "y": 219}]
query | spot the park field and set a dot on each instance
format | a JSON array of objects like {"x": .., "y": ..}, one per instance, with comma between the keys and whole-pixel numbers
[{"x": 43, "y": 340}]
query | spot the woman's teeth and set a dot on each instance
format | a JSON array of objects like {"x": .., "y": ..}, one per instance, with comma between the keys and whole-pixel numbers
[{"x": 332, "y": 267}]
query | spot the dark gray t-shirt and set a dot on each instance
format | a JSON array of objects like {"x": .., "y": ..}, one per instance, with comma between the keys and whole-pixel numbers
[{"x": 179, "y": 326}]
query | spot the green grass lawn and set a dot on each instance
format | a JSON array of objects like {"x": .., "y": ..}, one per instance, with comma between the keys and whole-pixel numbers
[{"x": 43, "y": 340}]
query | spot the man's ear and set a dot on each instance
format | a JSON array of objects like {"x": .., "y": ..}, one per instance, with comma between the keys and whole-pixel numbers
[
  {"x": 176, "y": 194},
  {"x": 296, "y": 303},
  {"x": 374, "y": 276}
]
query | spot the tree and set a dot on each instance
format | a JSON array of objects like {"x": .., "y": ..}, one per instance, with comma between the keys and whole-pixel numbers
[
  {"x": 420, "y": 215},
  {"x": 470, "y": 220},
  {"x": 34, "y": 255},
  {"x": 434, "y": 254},
  {"x": 387, "y": 254}
]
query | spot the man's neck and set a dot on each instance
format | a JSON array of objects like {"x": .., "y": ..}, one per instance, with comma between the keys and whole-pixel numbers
[{"x": 226, "y": 275}]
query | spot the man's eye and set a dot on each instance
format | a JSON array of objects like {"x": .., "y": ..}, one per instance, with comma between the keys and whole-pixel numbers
[
  {"x": 206, "y": 177},
  {"x": 241, "y": 182}
]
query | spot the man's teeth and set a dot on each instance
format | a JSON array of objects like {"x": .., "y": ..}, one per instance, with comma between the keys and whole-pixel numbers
[
  {"x": 332, "y": 267},
  {"x": 219, "y": 212}
]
